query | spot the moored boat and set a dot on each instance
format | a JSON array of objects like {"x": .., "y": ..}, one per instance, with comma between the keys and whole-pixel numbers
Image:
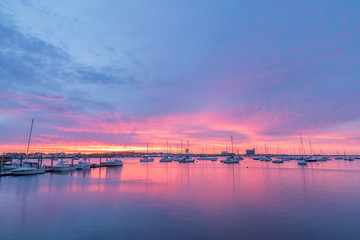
[
  {"x": 114, "y": 162},
  {"x": 146, "y": 159},
  {"x": 207, "y": 158},
  {"x": 278, "y": 161},
  {"x": 27, "y": 170},
  {"x": 166, "y": 159},
  {"x": 186, "y": 160},
  {"x": 302, "y": 162},
  {"x": 231, "y": 160},
  {"x": 82, "y": 165},
  {"x": 62, "y": 167}
]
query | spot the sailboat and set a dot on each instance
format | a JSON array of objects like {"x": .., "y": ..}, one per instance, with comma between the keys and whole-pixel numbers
[
  {"x": 302, "y": 160},
  {"x": 186, "y": 159},
  {"x": 231, "y": 159},
  {"x": 146, "y": 158},
  {"x": 27, "y": 170},
  {"x": 347, "y": 158}
]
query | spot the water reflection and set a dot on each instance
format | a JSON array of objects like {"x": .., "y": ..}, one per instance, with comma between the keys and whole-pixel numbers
[{"x": 205, "y": 200}]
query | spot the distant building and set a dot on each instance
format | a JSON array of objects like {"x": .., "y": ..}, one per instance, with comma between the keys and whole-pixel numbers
[
  {"x": 226, "y": 153},
  {"x": 250, "y": 152}
]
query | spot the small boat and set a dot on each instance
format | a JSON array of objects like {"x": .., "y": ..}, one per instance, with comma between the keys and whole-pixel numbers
[
  {"x": 302, "y": 162},
  {"x": 82, "y": 165},
  {"x": 350, "y": 159},
  {"x": 62, "y": 167},
  {"x": 114, "y": 162},
  {"x": 278, "y": 161},
  {"x": 231, "y": 160},
  {"x": 186, "y": 160},
  {"x": 27, "y": 170},
  {"x": 339, "y": 158},
  {"x": 323, "y": 159},
  {"x": 166, "y": 159},
  {"x": 146, "y": 159},
  {"x": 207, "y": 158},
  {"x": 256, "y": 158},
  {"x": 267, "y": 159}
]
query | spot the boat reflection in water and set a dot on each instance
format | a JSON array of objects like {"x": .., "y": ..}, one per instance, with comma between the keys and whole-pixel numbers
[{"x": 211, "y": 200}]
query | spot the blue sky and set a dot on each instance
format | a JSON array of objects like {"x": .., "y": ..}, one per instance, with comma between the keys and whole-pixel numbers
[{"x": 131, "y": 72}]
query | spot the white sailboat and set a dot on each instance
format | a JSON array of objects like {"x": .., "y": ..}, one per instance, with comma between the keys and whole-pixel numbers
[
  {"x": 147, "y": 158},
  {"x": 186, "y": 159},
  {"x": 302, "y": 160},
  {"x": 27, "y": 170},
  {"x": 231, "y": 159}
]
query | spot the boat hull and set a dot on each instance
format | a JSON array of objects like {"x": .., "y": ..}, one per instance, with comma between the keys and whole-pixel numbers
[
  {"x": 278, "y": 161},
  {"x": 302, "y": 162},
  {"x": 232, "y": 161},
  {"x": 147, "y": 160},
  {"x": 186, "y": 161},
  {"x": 27, "y": 172},
  {"x": 165, "y": 160},
  {"x": 63, "y": 169},
  {"x": 83, "y": 167},
  {"x": 114, "y": 164}
]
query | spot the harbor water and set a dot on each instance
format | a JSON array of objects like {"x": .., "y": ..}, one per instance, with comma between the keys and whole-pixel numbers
[{"x": 201, "y": 200}]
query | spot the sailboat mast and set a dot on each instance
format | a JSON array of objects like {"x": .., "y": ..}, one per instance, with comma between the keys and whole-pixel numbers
[
  {"x": 188, "y": 146},
  {"x": 232, "y": 145},
  {"x": 302, "y": 145},
  {"x": 181, "y": 147},
  {"x": 27, "y": 151}
]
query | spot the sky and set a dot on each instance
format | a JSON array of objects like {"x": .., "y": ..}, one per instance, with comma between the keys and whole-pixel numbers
[{"x": 118, "y": 75}]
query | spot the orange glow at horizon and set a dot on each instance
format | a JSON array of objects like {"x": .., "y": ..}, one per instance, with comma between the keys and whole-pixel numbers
[{"x": 196, "y": 147}]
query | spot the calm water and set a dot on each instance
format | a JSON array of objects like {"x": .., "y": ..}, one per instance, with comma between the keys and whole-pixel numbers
[{"x": 205, "y": 200}]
